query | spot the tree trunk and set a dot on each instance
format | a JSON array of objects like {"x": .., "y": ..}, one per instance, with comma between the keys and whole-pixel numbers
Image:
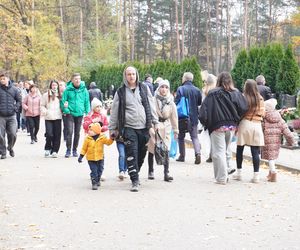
[
  {"x": 119, "y": 15},
  {"x": 256, "y": 21},
  {"x": 131, "y": 27},
  {"x": 229, "y": 39},
  {"x": 81, "y": 35},
  {"x": 171, "y": 24},
  {"x": 245, "y": 35},
  {"x": 182, "y": 30},
  {"x": 97, "y": 19},
  {"x": 177, "y": 32},
  {"x": 217, "y": 36}
]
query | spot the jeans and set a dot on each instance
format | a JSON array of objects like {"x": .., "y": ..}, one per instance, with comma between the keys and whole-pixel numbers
[
  {"x": 96, "y": 170},
  {"x": 255, "y": 157},
  {"x": 194, "y": 136},
  {"x": 64, "y": 118},
  {"x": 122, "y": 161},
  {"x": 73, "y": 123},
  {"x": 53, "y": 135},
  {"x": 135, "y": 141},
  {"x": 34, "y": 126},
  {"x": 8, "y": 125}
]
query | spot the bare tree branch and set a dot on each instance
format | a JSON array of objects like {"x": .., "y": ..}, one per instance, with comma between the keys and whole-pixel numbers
[{"x": 7, "y": 9}]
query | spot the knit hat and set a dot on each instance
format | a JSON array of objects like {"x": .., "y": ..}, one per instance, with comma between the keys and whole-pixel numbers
[
  {"x": 95, "y": 103},
  {"x": 270, "y": 104},
  {"x": 95, "y": 127},
  {"x": 164, "y": 83}
]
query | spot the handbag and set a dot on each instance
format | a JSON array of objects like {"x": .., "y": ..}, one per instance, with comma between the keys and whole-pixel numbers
[
  {"x": 161, "y": 152},
  {"x": 183, "y": 107}
]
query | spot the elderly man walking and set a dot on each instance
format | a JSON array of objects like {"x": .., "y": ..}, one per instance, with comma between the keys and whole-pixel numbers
[
  {"x": 10, "y": 103},
  {"x": 194, "y": 97},
  {"x": 132, "y": 115}
]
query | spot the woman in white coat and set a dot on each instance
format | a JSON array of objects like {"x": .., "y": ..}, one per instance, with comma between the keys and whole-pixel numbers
[{"x": 168, "y": 120}]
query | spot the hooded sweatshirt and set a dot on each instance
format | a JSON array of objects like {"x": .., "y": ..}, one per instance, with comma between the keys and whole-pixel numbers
[{"x": 135, "y": 114}]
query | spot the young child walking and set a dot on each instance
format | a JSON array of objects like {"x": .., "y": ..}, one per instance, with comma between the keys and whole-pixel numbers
[
  {"x": 93, "y": 148},
  {"x": 274, "y": 127}
]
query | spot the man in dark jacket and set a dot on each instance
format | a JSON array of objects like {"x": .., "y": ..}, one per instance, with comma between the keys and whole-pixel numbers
[
  {"x": 95, "y": 92},
  {"x": 149, "y": 82},
  {"x": 264, "y": 90},
  {"x": 194, "y": 96},
  {"x": 10, "y": 103}
]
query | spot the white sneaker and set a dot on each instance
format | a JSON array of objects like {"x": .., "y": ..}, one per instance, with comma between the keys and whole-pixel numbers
[
  {"x": 102, "y": 178},
  {"x": 121, "y": 175},
  {"x": 255, "y": 178},
  {"x": 47, "y": 153},
  {"x": 238, "y": 175},
  {"x": 54, "y": 155}
]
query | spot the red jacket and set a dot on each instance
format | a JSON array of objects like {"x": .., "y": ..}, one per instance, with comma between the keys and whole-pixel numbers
[{"x": 99, "y": 118}]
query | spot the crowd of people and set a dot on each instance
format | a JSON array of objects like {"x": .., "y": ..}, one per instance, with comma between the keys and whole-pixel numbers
[{"x": 143, "y": 114}]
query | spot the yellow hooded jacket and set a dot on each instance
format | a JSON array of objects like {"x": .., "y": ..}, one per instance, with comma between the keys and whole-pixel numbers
[{"x": 94, "y": 149}]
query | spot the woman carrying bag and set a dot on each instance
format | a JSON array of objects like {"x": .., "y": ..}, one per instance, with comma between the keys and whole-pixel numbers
[{"x": 168, "y": 120}]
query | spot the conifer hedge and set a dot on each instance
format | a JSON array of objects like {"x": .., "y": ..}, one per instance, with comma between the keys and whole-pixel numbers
[
  {"x": 106, "y": 75},
  {"x": 277, "y": 64}
]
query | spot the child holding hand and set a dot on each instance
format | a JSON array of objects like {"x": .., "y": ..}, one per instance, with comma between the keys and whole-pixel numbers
[{"x": 93, "y": 148}]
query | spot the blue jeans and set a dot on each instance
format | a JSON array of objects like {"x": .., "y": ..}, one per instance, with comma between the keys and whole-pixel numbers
[
  {"x": 194, "y": 136},
  {"x": 96, "y": 170},
  {"x": 122, "y": 159}
]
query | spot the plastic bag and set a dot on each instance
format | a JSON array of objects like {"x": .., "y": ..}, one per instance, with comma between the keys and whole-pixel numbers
[
  {"x": 205, "y": 143},
  {"x": 173, "y": 146}
]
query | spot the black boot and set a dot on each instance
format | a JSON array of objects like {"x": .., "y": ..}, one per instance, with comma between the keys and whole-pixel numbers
[
  {"x": 150, "y": 166},
  {"x": 167, "y": 177}
]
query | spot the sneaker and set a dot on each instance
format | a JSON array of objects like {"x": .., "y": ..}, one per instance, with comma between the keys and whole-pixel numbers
[
  {"x": 238, "y": 175},
  {"x": 121, "y": 175},
  {"x": 35, "y": 139},
  {"x": 47, "y": 153},
  {"x": 180, "y": 159},
  {"x": 221, "y": 182},
  {"x": 68, "y": 154},
  {"x": 12, "y": 153},
  {"x": 98, "y": 184},
  {"x": 102, "y": 178},
  {"x": 75, "y": 154},
  {"x": 151, "y": 176},
  {"x": 255, "y": 178},
  {"x": 231, "y": 171},
  {"x": 54, "y": 155},
  {"x": 94, "y": 186},
  {"x": 198, "y": 159},
  {"x": 3, "y": 157},
  {"x": 32, "y": 142},
  {"x": 134, "y": 186}
]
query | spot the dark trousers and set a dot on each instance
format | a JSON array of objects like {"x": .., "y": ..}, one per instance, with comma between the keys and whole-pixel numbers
[
  {"x": 53, "y": 135},
  {"x": 8, "y": 126},
  {"x": 34, "y": 126},
  {"x": 254, "y": 153},
  {"x": 135, "y": 141},
  {"x": 73, "y": 123},
  {"x": 64, "y": 118},
  {"x": 18, "y": 119},
  {"x": 96, "y": 170}
]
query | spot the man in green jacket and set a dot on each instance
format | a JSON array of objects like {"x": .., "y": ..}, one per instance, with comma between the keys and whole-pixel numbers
[{"x": 75, "y": 103}]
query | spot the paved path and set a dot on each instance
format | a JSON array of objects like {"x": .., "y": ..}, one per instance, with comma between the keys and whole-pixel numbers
[{"x": 48, "y": 204}]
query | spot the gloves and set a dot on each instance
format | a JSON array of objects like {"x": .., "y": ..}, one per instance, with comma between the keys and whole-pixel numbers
[{"x": 80, "y": 158}]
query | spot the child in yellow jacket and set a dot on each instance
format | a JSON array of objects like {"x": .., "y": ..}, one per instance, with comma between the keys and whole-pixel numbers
[{"x": 93, "y": 149}]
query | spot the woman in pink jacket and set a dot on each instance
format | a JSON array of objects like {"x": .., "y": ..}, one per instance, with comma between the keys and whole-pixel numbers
[
  {"x": 274, "y": 126},
  {"x": 31, "y": 105}
]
